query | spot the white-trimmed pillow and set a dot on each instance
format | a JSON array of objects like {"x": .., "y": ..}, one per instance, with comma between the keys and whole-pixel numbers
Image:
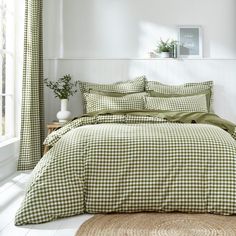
[
  {"x": 131, "y": 86},
  {"x": 183, "y": 89}
]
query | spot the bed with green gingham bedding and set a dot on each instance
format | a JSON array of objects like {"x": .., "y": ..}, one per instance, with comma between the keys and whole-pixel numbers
[{"x": 134, "y": 162}]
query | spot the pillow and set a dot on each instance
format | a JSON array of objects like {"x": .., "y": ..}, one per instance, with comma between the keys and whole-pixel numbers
[
  {"x": 206, "y": 92},
  {"x": 196, "y": 103},
  {"x": 114, "y": 94},
  {"x": 184, "y": 89},
  {"x": 131, "y": 86},
  {"x": 96, "y": 102}
]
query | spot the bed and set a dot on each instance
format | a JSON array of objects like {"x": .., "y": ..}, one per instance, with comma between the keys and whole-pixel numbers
[{"x": 133, "y": 161}]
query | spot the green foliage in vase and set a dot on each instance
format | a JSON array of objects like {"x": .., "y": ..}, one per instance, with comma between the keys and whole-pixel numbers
[
  {"x": 166, "y": 46},
  {"x": 63, "y": 88}
]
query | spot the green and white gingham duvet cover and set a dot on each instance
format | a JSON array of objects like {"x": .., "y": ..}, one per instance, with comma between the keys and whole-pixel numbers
[{"x": 128, "y": 163}]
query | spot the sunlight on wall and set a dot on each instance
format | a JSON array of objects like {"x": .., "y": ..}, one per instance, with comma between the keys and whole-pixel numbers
[
  {"x": 130, "y": 29},
  {"x": 151, "y": 33}
]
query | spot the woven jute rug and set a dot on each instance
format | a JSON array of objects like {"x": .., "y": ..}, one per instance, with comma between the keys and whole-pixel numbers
[{"x": 159, "y": 224}]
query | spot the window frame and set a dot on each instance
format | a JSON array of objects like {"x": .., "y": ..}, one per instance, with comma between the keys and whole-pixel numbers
[{"x": 10, "y": 65}]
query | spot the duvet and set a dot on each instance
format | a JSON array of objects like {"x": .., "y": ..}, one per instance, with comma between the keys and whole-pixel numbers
[{"x": 132, "y": 162}]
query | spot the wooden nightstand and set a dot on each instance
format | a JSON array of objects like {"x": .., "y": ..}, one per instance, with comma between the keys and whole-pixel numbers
[{"x": 51, "y": 127}]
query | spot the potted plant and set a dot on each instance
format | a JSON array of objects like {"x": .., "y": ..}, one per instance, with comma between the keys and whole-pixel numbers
[
  {"x": 63, "y": 88},
  {"x": 165, "y": 48}
]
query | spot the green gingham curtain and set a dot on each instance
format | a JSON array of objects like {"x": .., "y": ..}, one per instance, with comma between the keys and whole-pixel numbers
[{"x": 32, "y": 111}]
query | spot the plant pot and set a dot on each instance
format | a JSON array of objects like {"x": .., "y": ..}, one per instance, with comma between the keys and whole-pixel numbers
[
  {"x": 165, "y": 55},
  {"x": 63, "y": 115}
]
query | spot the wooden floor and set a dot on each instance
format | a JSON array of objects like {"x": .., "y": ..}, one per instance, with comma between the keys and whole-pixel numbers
[{"x": 11, "y": 194}]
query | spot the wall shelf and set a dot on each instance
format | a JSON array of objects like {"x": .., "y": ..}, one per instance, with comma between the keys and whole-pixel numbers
[{"x": 136, "y": 59}]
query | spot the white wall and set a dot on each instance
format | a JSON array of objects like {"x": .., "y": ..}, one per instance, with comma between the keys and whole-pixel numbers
[
  {"x": 108, "y": 40},
  {"x": 131, "y": 28}
]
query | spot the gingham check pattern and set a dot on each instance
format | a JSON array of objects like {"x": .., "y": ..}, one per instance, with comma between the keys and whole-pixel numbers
[
  {"x": 125, "y": 163},
  {"x": 131, "y": 86},
  {"x": 234, "y": 134},
  {"x": 184, "y": 89},
  {"x": 114, "y": 94},
  {"x": 96, "y": 102},
  {"x": 188, "y": 104},
  {"x": 32, "y": 114}
]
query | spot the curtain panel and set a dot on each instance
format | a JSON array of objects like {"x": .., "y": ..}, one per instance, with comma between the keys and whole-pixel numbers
[{"x": 32, "y": 111}]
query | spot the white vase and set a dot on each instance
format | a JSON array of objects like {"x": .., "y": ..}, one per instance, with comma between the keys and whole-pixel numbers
[
  {"x": 165, "y": 54},
  {"x": 63, "y": 115}
]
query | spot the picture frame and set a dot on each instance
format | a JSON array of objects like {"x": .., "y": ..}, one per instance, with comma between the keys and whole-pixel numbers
[{"x": 190, "y": 41}]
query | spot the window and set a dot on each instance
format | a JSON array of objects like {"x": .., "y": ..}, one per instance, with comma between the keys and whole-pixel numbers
[{"x": 7, "y": 68}]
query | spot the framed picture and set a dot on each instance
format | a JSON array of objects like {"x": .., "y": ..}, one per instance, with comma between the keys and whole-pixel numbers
[{"x": 190, "y": 42}]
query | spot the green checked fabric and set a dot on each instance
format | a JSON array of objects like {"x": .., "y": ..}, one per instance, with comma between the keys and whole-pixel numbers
[
  {"x": 184, "y": 89},
  {"x": 197, "y": 103},
  {"x": 32, "y": 121},
  {"x": 114, "y": 94},
  {"x": 164, "y": 95},
  {"x": 132, "y": 163},
  {"x": 131, "y": 86},
  {"x": 97, "y": 102}
]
